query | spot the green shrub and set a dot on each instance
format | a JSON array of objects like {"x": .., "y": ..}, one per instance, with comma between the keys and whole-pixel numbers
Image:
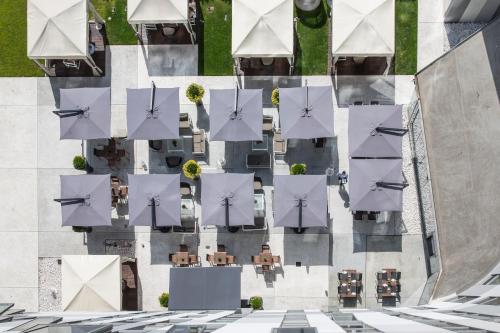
[
  {"x": 79, "y": 162},
  {"x": 163, "y": 299},
  {"x": 298, "y": 169},
  {"x": 275, "y": 97},
  {"x": 195, "y": 93},
  {"x": 256, "y": 302},
  {"x": 191, "y": 169}
]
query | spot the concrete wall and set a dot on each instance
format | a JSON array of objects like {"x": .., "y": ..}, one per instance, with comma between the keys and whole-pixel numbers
[{"x": 470, "y": 10}]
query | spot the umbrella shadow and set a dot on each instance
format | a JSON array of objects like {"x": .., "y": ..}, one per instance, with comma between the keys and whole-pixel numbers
[
  {"x": 163, "y": 244},
  {"x": 364, "y": 89},
  {"x": 344, "y": 196},
  {"x": 202, "y": 118},
  {"x": 242, "y": 244}
]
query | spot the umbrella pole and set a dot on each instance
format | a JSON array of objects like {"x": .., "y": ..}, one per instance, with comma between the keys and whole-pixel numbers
[
  {"x": 300, "y": 215},
  {"x": 226, "y": 203},
  {"x": 152, "y": 97},
  {"x": 153, "y": 214}
]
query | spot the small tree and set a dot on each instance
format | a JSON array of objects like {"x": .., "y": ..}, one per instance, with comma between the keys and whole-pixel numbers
[
  {"x": 275, "y": 97},
  {"x": 256, "y": 302},
  {"x": 163, "y": 299},
  {"x": 195, "y": 93},
  {"x": 191, "y": 169},
  {"x": 298, "y": 169},
  {"x": 79, "y": 162}
]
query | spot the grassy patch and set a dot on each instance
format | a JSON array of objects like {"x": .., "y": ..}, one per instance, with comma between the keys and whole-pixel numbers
[
  {"x": 406, "y": 37},
  {"x": 215, "y": 38},
  {"x": 312, "y": 50},
  {"x": 118, "y": 31},
  {"x": 13, "y": 38}
]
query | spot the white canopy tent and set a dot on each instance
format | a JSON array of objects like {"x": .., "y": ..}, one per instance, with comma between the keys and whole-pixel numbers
[
  {"x": 363, "y": 29},
  {"x": 91, "y": 283},
  {"x": 262, "y": 29},
  {"x": 141, "y": 12},
  {"x": 59, "y": 30}
]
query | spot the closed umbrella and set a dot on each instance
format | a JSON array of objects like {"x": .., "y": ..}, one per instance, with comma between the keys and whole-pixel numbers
[
  {"x": 306, "y": 112},
  {"x": 300, "y": 201},
  {"x": 236, "y": 114},
  {"x": 85, "y": 113},
  {"x": 153, "y": 114},
  {"x": 375, "y": 131},
  {"x": 376, "y": 185},
  {"x": 85, "y": 200},
  {"x": 227, "y": 199},
  {"x": 154, "y": 200}
]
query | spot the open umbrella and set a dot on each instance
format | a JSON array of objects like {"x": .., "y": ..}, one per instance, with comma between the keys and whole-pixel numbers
[
  {"x": 300, "y": 201},
  {"x": 154, "y": 200},
  {"x": 153, "y": 114},
  {"x": 376, "y": 185},
  {"x": 85, "y": 113},
  {"x": 375, "y": 131},
  {"x": 236, "y": 114},
  {"x": 227, "y": 199},
  {"x": 306, "y": 112},
  {"x": 85, "y": 200}
]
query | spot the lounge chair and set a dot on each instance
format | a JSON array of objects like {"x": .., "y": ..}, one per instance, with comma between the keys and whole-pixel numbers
[
  {"x": 276, "y": 260},
  {"x": 279, "y": 144},
  {"x": 185, "y": 122},
  {"x": 199, "y": 143}
]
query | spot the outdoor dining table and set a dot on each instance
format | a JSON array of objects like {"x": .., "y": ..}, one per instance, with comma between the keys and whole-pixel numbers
[
  {"x": 347, "y": 291},
  {"x": 266, "y": 259},
  {"x": 182, "y": 258},
  {"x": 220, "y": 258}
]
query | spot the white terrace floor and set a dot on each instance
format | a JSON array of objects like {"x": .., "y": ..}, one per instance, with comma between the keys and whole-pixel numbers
[{"x": 33, "y": 157}]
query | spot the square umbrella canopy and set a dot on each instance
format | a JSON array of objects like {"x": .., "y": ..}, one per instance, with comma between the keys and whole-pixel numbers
[
  {"x": 306, "y": 112},
  {"x": 158, "y": 124},
  {"x": 157, "y": 11},
  {"x": 376, "y": 185},
  {"x": 91, "y": 283},
  {"x": 363, "y": 28},
  {"x": 85, "y": 113},
  {"x": 230, "y": 193},
  {"x": 262, "y": 28},
  {"x": 164, "y": 189},
  {"x": 86, "y": 200},
  {"x": 236, "y": 114},
  {"x": 375, "y": 131},
  {"x": 293, "y": 191},
  {"x": 57, "y": 29}
]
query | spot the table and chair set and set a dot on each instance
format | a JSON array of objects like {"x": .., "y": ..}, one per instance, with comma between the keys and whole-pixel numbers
[
  {"x": 388, "y": 284},
  {"x": 350, "y": 285},
  {"x": 265, "y": 259}
]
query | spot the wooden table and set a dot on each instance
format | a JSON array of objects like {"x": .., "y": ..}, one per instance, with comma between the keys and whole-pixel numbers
[
  {"x": 266, "y": 260},
  {"x": 182, "y": 258},
  {"x": 220, "y": 258}
]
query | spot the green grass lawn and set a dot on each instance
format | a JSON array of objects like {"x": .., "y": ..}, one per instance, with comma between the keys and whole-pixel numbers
[
  {"x": 13, "y": 54},
  {"x": 406, "y": 37},
  {"x": 215, "y": 38},
  {"x": 118, "y": 31},
  {"x": 311, "y": 56}
]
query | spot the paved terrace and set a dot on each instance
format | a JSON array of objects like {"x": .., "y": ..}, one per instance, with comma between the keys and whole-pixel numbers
[{"x": 33, "y": 157}]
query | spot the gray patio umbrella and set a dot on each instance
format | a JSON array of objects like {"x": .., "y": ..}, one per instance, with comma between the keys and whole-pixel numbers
[
  {"x": 376, "y": 185},
  {"x": 86, "y": 200},
  {"x": 85, "y": 113},
  {"x": 153, "y": 113},
  {"x": 154, "y": 200},
  {"x": 300, "y": 201},
  {"x": 306, "y": 112},
  {"x": 375, "y": 131},
  {"x": 236, "y": 114},
  {"x": 227, "y": 199}
]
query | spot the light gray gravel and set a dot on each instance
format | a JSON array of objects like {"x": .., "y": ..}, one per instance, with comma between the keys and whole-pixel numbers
[
  {"x": 457, "y": 32},
  {"x": 49, "y": 284}
]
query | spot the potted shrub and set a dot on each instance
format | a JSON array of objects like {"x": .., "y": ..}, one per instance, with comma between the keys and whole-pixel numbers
[
  {"x": 191, "y": 169},
  {"x": 163, "y": 299},
  {"x": 194, "y": 93},
  {"x": 298, "y": 169},
  {"x": 275, "y": 97},
  {"x": 80, "y": 163},
  {"x": 82, "y": 229},
  {"x": 256, "y": 302}
]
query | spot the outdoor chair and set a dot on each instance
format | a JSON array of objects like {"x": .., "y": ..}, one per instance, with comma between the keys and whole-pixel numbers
[
  {"x": 267, "y": 123},
  {"x": 380, "y": 289},
  {"x": 193, "y": 259},
  {"x": 221, "y": 248},
  {"x": 359, "y": 277},
  {"x": 396, "y": 275},
  {"x": 155, "y": 145},
  {"x": 279, "y": 144},
  {"x": 171, "y": 257},
  {"x": 265, "y": 247},
  {"x": 173, "y": 161},
  {"x": 231, "y": 260},
  {"x": 379, "y": 275},
  {"x": 384, "y": 276},
  {"x": 199, "y": 143},
  {"x": 185, "y": 189},
  {"x": 150, "y": 27},
  {"x": 276, "y": 260},
  {"x": 339, "y": 291},
  {"x": 74, "y": 64},
  {"x": 256, "y": 260},
  {"x": 398, "y": 288},
  {"x": 358, "y": 289},
  {"x": 267, "y": 61},
  {"x": 185, "y": 122},
  {"x": 183, "y": 248}
]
